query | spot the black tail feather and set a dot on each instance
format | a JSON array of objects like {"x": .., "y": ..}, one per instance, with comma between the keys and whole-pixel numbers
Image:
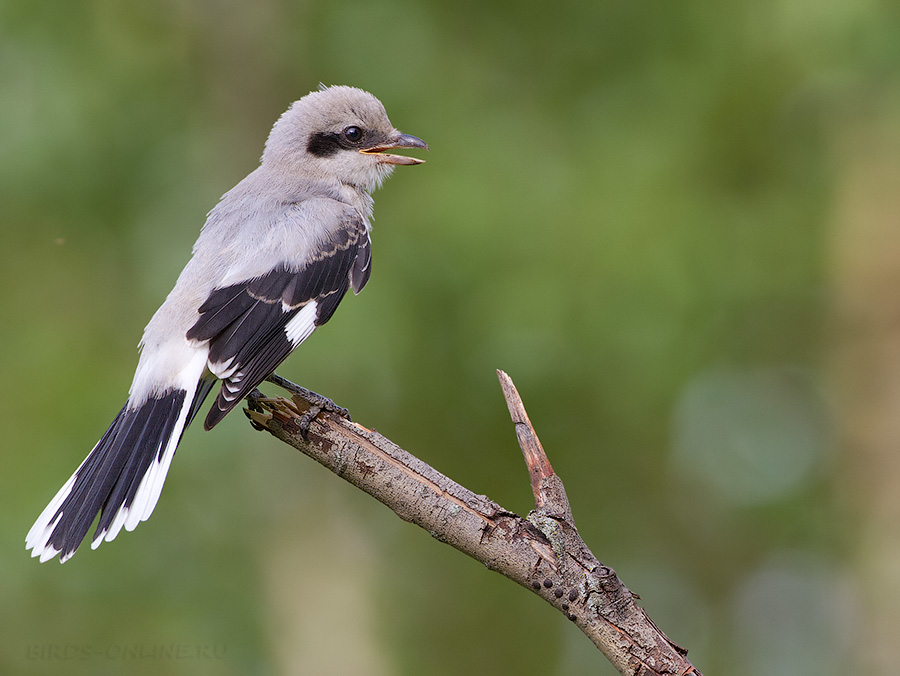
[{"x": 109, "y": 478}]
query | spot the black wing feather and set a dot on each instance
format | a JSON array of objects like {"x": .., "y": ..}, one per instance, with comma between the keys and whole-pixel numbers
[{"x": 362, "y": 266}]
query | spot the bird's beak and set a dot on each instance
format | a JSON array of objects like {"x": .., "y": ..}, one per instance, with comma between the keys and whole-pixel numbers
[{"x": 399, "y": 141}]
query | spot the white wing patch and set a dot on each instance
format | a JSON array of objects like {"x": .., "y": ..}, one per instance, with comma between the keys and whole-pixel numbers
[{"x": 302, "y": 324}]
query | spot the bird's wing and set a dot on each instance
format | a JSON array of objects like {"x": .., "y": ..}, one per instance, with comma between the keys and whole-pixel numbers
[{"x": 253, "y": 325}]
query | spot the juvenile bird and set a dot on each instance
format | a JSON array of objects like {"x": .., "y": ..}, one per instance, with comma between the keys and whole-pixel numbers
[{"x": 274, "y": 259}]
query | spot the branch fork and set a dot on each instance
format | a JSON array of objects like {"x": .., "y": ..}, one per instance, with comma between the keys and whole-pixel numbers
[{"x": 542, "y": 552}]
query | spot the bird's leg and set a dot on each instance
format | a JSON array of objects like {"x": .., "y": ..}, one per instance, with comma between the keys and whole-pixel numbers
[{"x": 316, "y": 401}]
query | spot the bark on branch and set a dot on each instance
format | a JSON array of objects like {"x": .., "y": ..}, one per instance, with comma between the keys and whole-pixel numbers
[{"x": 542, "y": 551}]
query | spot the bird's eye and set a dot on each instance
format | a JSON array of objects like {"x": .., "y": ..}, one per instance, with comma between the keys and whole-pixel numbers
[{"x": 353, "y": 134}]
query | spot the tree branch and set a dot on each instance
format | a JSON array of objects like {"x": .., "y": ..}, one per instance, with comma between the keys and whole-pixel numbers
[{"x": 542, "y": 552}]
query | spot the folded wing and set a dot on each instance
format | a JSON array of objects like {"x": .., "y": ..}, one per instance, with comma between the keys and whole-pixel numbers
[{"x": 252, "y": 326}]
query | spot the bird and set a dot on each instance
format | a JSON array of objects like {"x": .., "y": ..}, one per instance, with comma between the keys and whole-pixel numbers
[{"x": 271, "y": 264}]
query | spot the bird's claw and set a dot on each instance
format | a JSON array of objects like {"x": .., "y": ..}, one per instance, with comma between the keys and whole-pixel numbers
[
  {"x": 306, "y": 420},
  {"x": 253, "y": 404}
]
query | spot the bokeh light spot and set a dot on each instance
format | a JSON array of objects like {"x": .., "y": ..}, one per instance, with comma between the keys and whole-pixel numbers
[{"x": 751, "y": 435}]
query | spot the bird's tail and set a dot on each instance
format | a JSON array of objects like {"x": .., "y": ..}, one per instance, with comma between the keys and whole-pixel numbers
[{"x": 121, "y": 478}]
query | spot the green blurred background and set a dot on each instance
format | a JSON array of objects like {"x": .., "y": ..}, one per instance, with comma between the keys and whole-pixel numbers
[{"x": 677, "y": 227}]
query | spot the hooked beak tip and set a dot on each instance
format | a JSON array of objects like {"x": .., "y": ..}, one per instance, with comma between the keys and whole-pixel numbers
[{"x": 409, "y": 141}]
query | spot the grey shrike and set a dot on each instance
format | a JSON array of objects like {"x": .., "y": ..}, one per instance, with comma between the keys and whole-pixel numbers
[{"x": 274, "y": 259}]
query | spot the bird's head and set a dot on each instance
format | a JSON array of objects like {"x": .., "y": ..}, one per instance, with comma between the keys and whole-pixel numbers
[{"x": 339, "y": 133}]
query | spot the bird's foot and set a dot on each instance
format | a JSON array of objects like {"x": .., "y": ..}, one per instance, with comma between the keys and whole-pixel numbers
[
  {"x": 306, "y": 419},
  {"x": 253, "y": 404},
  {"x": 317, "y": 403},
  {"x": 313, "y": 399}
]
